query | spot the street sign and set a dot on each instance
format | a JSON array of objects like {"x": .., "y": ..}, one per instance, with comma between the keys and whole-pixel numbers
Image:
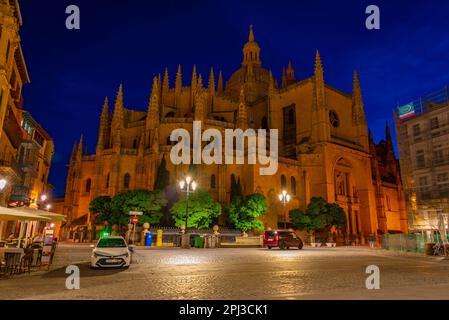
[
  {"x": 135, "y": 219},
  {"x": 135, "y": 213}
]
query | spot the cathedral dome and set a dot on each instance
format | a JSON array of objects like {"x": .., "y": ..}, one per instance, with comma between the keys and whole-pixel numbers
[{"x": 251, "y": 74}]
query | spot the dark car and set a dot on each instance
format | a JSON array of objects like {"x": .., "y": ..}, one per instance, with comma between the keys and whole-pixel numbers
[{"x": 284, "y": 239}]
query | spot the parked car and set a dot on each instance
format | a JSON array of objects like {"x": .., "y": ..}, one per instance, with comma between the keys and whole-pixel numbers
[
  {"x": 284, "y": 239},
  {"x": 111, "y": 252}
]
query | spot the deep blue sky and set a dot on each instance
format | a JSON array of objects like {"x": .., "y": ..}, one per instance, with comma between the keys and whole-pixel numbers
[{"x": 131, "y": 41}]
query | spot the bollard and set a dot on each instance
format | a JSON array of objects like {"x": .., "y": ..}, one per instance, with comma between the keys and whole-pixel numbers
[{"x": 159, "y": 238}]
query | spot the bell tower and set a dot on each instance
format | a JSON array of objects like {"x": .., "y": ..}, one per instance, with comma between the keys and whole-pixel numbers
[{"x": 251, "y": 50}]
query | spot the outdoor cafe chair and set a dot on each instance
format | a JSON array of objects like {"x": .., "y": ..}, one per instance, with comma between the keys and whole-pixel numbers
[
  {"x": 12, "y": 263},
  {"x": 27, "y": 260}
]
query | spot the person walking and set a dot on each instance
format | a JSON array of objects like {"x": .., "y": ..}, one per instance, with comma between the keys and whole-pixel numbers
[{"x": 371, "y": 240}]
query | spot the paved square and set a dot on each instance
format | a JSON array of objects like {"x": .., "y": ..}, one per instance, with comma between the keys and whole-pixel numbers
[{"x": 172, "y": 273}]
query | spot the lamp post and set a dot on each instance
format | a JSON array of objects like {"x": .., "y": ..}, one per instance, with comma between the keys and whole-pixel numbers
[
  {"x": 188, "y": 186},
  {"x": 3, "y": 183},
  {"x": 284, "y": 198}
]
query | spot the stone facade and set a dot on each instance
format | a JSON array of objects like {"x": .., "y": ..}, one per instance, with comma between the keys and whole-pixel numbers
[
  {"x": 324, "y": 144},
  {"x": 26, "y": 149}
]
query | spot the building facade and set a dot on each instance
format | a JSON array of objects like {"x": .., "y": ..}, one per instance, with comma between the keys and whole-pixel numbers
[
  {"x": 324, "y": 145},
  {"x": 422, "y": 128},
  {"x": 26, "y": 149}
]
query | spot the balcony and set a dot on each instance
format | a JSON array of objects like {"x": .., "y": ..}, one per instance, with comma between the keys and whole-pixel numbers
[
  {"x": 11, "y": 169},
  {"x": 12, "y": 129},
  {"x": 19, "y": 196}
]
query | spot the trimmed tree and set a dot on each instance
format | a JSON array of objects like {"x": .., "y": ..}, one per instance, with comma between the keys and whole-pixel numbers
[
  {"x": 319, "y": 216},
  {"x": 245, "y": 212},
  {"x": 149, "y": 202},
  {"x": 100, "y": 208},
  {"x": 202, "y": 210},
  {"x": 162, "y": 176}
]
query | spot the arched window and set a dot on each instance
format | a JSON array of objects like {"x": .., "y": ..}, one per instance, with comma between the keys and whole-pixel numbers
[
  {"x": 264, "y": 123},
  {"x": 107, "y": 181},
  {"x": 283, "y": 183},
  {"x": 212, "y": 182},
  {"x": 293, "y": 186},
  {"x": 170, "y": 114},
  {"x": 126, "y": 180},
  {"x": 88, "y": 185}
]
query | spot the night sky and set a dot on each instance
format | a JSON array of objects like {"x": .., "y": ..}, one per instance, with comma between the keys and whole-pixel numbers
[{"x": 131, "y": 41}]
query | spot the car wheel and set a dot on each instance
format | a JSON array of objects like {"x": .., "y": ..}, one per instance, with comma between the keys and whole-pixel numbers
[
  {"x": 300, "y": 245},
  {"x": 269, "y": 247}
]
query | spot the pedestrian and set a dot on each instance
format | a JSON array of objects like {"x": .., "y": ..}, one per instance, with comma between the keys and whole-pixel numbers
[{"x": 371, "y": 240}]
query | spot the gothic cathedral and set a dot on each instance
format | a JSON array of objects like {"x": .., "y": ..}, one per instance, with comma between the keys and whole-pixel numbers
[{"x": 325, "y": 148}]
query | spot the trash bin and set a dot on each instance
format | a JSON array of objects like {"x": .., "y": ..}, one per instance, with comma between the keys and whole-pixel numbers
[
  {"x": 199, "y": 242},
  {"x": 148, "y": 239}
]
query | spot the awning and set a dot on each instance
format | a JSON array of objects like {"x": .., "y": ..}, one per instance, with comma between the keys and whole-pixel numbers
[
  {"x": 50, "y": 215},
  {"x": 7, "y": 214}
]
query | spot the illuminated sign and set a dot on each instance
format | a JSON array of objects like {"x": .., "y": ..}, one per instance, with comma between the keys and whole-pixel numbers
[{"x": 406, "y": 111}]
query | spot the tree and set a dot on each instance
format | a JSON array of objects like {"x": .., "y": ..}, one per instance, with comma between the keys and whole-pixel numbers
[
  {"x": 202, "y": 209},
  {"x": 319, "y": 216},
  {"x": 162, "y": 176},
  {"x": 244, "y": 212},
  {"x": 149, "y": 202},
  {"x": 100, "y": 208}
]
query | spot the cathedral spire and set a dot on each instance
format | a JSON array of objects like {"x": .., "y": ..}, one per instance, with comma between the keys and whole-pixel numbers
[
  {"x": 388, "y": 136},
  {"x": 251, "y": 50},
  {"x": 290, "y": 74},
  {"x": 178, "y": 82},
  {"x": 211, "y": 81},
  {"x": 178, "y": 85},
  {"x": 79, "y": 152},
  {"x": 321, "y": 127},
  {"x": 358, "y": 113},
  {"x": 242, "y": 116},
  {"x": 193, "y": 84},
  {"x": 220, "y": 82},
  {"x": 117, "y": 119},
  {"x": 199, "y": 101},
  {"x": 153, "y": 106},
  {"x": 74, "y": 149},
  {"x": 165, "y": 86},
  {"x": 251, "y": 34},
  {"x": 284, "y": 78},
  {"x": 319, "y": 72},
  {"x": 319, "y": 82},
  {"x": 199, "y": 86},
  {"x": 104, "y": 119}
]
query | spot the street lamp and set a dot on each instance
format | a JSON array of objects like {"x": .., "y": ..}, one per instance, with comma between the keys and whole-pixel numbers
[
  {"x": 188, "y": 186},
  {"x": 3, "y": 183},
  {"x": 43, "y": 197},
  {"x": 48, "y": 206},
  {"x": 284, "y": 198}
]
